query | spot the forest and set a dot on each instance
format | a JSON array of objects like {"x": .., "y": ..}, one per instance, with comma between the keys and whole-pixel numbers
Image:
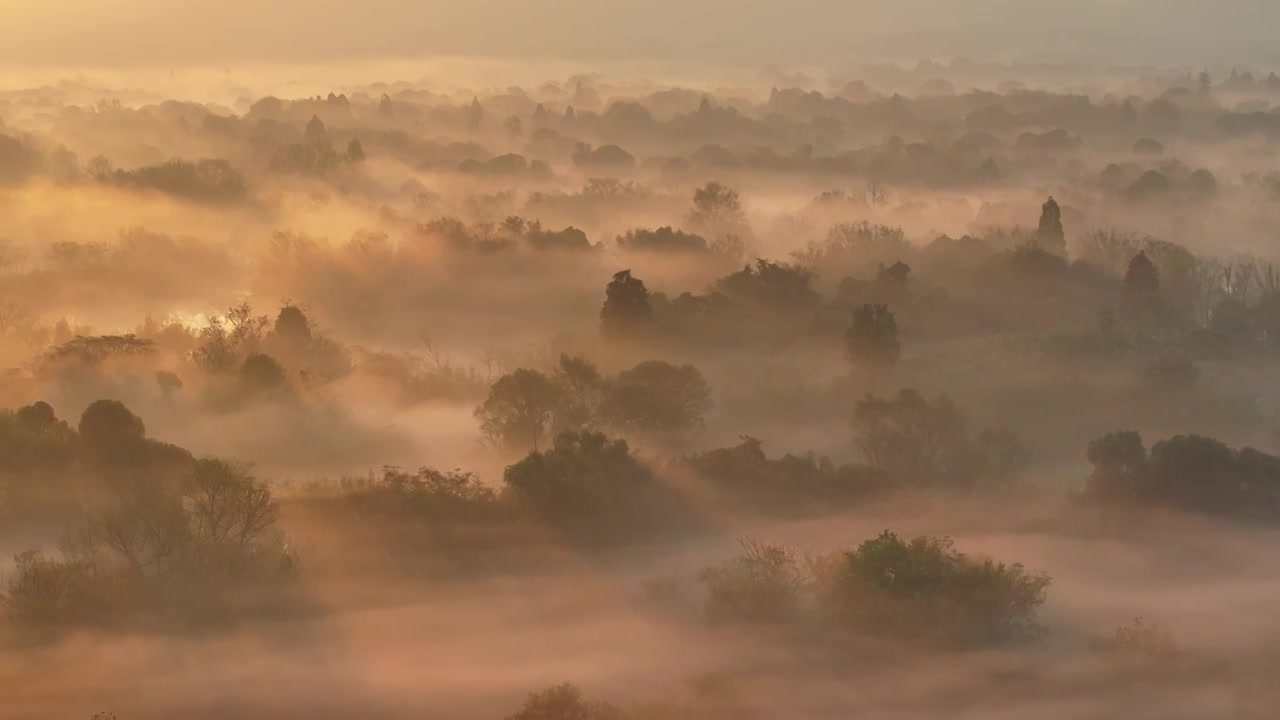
[{"x": 936, "y": 389}]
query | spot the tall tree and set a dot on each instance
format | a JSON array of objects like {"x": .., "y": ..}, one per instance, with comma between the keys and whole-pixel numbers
[
  {"x": 520, "y": 408},
  {"x": 1141, "y": 283},
  {"x": 626, "y": 312},
  {"x": 871, "y": 342},
  {"x": 1050, "y": 234}
]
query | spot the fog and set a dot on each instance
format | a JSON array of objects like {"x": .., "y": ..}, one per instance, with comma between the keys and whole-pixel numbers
[{"x": 599, "y": 362}]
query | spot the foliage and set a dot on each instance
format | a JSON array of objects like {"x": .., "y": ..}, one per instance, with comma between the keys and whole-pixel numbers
[
  {"x": 564, "y": 702},
  {"x": 762, "y": 585},
  {"x": 520, "y": 409},
  {"x": 1141, "y": 641},
  {"x": 657, "y": 400},
  {"x": 1187, "y": 472},
  {"x": 587, "y": 485},
  {"x": 744, "y": 472},
  {"x": 871, "y": 342},
  {"x": 924, "y": 589},
  {"x": 626, "y": 314},
  {"x": 207, "y": 180},
  {"x": 926, "y": 443}
]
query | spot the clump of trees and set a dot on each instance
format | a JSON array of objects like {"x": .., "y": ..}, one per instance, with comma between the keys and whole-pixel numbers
[
  {"x": 154, "y": 533},
  {"x": 208, "y": 180},
  {"x": 926, "y": 443},
  {"x": 918, "y": 590},
  {"x": 871, "y": 342},
  {"x": 654, "y": 401},
  {"x": 626, "y": 314},
  {"x": 1186, "y": 472}
]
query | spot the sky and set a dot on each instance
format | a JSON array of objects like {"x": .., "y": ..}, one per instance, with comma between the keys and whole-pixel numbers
[{"x": 95, "y": 33}]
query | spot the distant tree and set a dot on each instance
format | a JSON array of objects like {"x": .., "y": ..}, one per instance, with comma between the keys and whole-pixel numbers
[
  {"x": 582, "y": 394},
  {"x": 588, "y": 485},
  {"x": 1050, "y": 234},
  {"x": 871, "y": 342},
  {"x": 355, "y": 151},
  {"x": 514, "y": 126},
  {"x": 315, "y": 131},
  {"x": 1141, "y": 284},
  {"x": 474, "y": 114},
  {"x": 292, "y": 326},
  {"x": 915, "y": 441},
  {"x": 778, "y": 286},
  {"x": 626, "y": 313},
  {"x": 520, "y": 408},
  {"x": 261, "y": 372},
  {"x": 564, "y": 702},
  {"x": 385, "y": 107},
  {"x": 541, "y": 118},
  {"x": 658, "y": 400},
  {"x": 717, "y": 211},
  {"x": 924, "y": 590},
  {"x": 1119, "y": 462}
]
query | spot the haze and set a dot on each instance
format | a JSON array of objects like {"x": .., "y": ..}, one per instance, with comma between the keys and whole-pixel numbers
[{"x": 622, "y": 361}]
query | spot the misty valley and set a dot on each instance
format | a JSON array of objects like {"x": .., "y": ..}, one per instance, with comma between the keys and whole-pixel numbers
[{"x": 927, "y": 390}]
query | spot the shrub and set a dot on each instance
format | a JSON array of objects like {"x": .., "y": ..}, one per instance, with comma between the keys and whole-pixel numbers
[
  {"x": 924, "y": 589},
  {"x": 564, "y": 702},
  {"x": 762, "y": 585}
]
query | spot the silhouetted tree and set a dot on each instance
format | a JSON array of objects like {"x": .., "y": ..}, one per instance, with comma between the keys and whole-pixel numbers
[
  {"x": 658, "y": 400},
  {"x": 355, "y": 151},
  {"x": 316, "y": 131},
  {"x": 475, "y": 114},
  {"x": 1141, "y": 283},
  {"x": 292, "y": 328},
  {"x": 626, "y": 313},
  {"x": 1050, "y": 234},
  {"x": 514, "y": 126},
  {"x": 587, "y": 484},
  {"x": 871, "y": 342},
  {"x": 1119, "y": 466},
  {"x": 520, "y": 408}
]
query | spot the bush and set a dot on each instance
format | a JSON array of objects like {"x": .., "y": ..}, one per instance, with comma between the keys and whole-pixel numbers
[
  {"x": 762, "y": 585},
  {"x": 564, "y": 702},
  {"x": 588, "y": 485},
  {"x": 924, "y": 589},
  {"x": 1141, "y": 642}
]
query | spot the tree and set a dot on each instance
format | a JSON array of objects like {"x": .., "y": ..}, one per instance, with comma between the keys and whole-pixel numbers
[
  {"x": 717, "y": 212},
  {"x": 582, "y": 393},
  {"x": 261, "y": 372},
  {"x": 109, "y": 430},
  {"x": 355, "y": 151},
  {"x": 913, "y": 440},
  {"x": 514, "y": 125},
  {"x": 588, "y": 485},
  {"x": 474, "y": 114},
  {"x": 871, "y": 342},
  {"x": 626, "y": 313},
  {"x": 1119, "y": 462},
  {"x": 923, "y": 589},
  {"x": 564, "y": 702},
  {"x": 1141, "y": 284},
  {"x": 316, "y": 132},
  {"x": 520, "y": 408},
  {"x": 292, "y": 327},
  {"x": 1050, "y": 234},
  {"x": 658, "y": 400}
]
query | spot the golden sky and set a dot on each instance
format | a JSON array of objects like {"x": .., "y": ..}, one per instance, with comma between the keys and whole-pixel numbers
[{"x": 169, "y": 32}]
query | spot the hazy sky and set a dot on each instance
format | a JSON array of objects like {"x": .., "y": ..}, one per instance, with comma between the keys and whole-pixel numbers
[{"x": 176, "y": 32}]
